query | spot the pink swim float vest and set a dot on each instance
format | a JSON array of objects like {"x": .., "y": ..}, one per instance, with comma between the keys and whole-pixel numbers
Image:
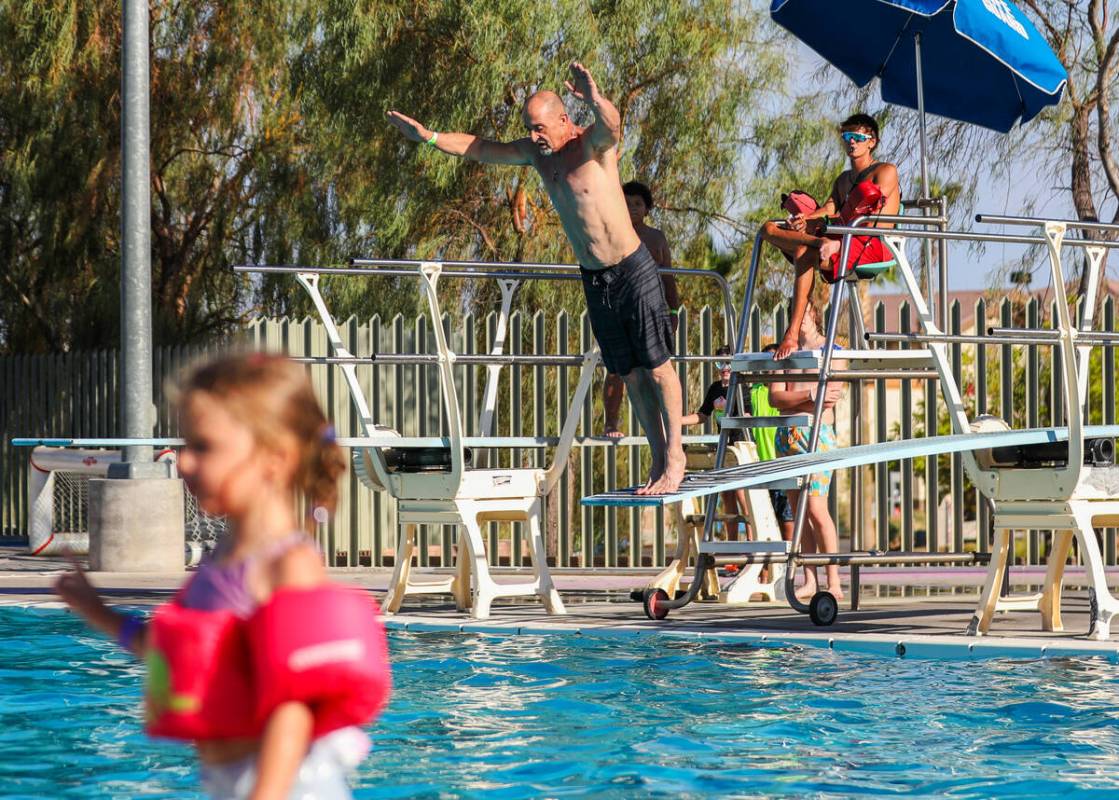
[{"x": 214, "y": 676}]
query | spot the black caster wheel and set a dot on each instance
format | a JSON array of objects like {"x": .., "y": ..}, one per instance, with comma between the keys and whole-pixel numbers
[
  {"x": 823, "y": 609},
  {"x": 654, "y": 604}
]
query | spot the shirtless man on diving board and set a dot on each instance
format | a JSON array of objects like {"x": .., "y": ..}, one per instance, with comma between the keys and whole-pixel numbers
[{"x": 625, "y": 299}]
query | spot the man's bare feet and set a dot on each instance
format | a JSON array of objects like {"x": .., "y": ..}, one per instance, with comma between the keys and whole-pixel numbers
[
  {"x": 787, "y": 346},
  {"x": 648, "y": 487},
  {"x": 656, "y": 471},
  {"x": 672, "y": 476}
]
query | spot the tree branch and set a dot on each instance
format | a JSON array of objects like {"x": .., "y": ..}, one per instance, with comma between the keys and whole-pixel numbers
[
  {"x": 1053, "y": 33},
  {"x": 476, "y": 226},
  {"x": 710, "y": 215},
  {"x": 1105, "y": 79},
  {"x": 45, "y": 328}
]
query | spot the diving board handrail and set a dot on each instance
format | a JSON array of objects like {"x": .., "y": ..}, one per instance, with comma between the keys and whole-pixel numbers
[
  {"x": 430, "y": 272},
  {"x": 571, "y": 422},
  {"x": 571, "y": 269},
  {"x": 1086, "y": 225},
  {"x": 1070, "y": 363},
  {"x": 1074, "y": 359},
  {"x": 310, "y": 283},
  {"x": 493, "y": 371}
]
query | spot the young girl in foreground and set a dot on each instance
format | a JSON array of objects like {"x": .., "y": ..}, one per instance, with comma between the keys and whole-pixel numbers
[{"x": 261, "y": 662}]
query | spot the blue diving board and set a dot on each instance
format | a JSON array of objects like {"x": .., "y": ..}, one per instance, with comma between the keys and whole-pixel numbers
[
  {"x": 766, "y": 473},
  {"x": 508, "y": 441},
  {"x": 381, "y": 441}
]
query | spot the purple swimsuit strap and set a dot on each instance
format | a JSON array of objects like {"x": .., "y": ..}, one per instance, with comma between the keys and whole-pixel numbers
[{"x": 223, "y": 586}]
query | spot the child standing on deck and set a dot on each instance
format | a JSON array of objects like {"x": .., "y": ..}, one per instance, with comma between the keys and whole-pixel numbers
[
  {"x": 714, "y": 407},
  {"x": 261, "y": 662},
  {"x": 820, "y": 535}
]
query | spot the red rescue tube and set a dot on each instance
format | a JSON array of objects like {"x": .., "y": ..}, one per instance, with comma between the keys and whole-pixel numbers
[
  {"x": 324, "y": 647},
  {"x": 865, "y": 199},
  {"x": 198, "y": 684}
]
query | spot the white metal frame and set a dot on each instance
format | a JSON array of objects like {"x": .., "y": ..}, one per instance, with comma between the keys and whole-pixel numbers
[
  {"x": 690, "y": 518},
  {"x": 458, "y": 496}
]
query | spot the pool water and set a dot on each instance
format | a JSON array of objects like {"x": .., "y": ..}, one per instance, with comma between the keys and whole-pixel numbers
[{"x": 568, "y": 716}]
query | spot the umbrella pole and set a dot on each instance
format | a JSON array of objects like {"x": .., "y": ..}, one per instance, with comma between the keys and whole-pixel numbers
[{"x": 927, "y": 244}]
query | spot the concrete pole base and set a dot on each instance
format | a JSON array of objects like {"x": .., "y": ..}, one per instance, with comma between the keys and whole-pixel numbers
[{"x": 136, "y": 525}]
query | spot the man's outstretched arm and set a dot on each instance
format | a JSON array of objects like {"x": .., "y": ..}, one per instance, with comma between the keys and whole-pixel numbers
[
  {"x": 464, "y": 145},
  {"x": 607, "y": 129}
]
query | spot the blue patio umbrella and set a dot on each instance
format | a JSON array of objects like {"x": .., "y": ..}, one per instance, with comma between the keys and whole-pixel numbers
[{"x": 977, "y": 61}]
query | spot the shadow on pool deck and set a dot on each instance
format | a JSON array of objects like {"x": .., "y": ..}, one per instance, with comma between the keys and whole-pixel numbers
[{"x": 931, "y": 625}]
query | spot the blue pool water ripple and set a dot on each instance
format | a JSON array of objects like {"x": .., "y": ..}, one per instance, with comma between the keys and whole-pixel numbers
[{"x": 526, "y": 717}]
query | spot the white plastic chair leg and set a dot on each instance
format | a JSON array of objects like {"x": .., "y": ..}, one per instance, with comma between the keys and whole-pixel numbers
[
  {"x": 985, "y": 611},
  {"x": 484, "y": 587},
  {"x": 544, "y": 586},
  {"x": 398, "y": 584},
  {"x": 1103, "y": 605}
]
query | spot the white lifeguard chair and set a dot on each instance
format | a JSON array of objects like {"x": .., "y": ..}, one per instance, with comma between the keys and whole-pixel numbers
[{"x": 431, "y": 479}]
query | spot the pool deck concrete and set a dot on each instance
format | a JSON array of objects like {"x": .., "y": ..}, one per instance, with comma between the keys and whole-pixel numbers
[{"x": 927, "y": 622}]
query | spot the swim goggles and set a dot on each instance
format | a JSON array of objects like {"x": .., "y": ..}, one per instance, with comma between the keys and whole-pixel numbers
[
  {"x": 853, "y": 136},
  {"x": 721, "y": 365}
]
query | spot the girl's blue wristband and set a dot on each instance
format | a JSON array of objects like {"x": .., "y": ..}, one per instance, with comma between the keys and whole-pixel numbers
[{"x": 129, "y": 628}]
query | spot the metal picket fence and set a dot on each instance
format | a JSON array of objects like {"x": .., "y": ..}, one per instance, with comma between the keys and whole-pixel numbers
[{"x": 914, "y": 504}]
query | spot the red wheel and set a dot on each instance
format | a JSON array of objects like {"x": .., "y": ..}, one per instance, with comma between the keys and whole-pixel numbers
[{"x": 655, "y": 600}]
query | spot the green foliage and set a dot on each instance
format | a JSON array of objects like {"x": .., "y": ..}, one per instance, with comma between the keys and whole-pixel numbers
[
  {"x": 269, "y": 144},
  {"x": 222, "y": 115}
]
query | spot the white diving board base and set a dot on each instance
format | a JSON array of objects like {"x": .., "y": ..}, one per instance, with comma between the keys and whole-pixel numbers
[{"x": 765, "y": 473}]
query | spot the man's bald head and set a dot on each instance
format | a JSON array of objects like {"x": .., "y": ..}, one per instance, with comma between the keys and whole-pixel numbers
[
  {"x": 544, "y": 101},
  {"x": 546, "y": 121}
]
